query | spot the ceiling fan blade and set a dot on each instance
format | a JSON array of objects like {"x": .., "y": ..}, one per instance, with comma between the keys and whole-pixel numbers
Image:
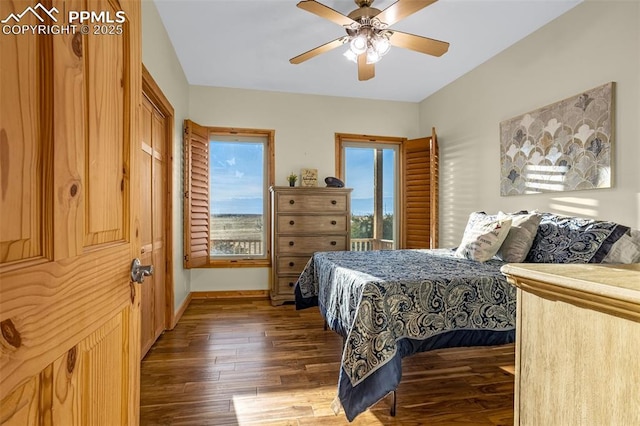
[
  {"x": 365, "y": 71},
  {"x": 318, "y": 50},
  {"x": 326, "y": 12},
  {"x": 420, "y": 44},
  {"x": 401, "y": 9}
]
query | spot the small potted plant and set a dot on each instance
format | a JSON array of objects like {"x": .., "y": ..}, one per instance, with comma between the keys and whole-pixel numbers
[{"x": 292, "y": 178}]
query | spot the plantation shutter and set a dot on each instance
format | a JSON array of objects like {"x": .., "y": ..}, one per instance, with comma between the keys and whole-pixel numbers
[
  {"x": 420, "y": 199},
  {"x": 196, "y": 195},
  {"x": 434, "y": 195}
]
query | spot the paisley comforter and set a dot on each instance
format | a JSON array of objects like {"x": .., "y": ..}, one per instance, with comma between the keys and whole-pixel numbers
[{"x": 391, "y": 304}]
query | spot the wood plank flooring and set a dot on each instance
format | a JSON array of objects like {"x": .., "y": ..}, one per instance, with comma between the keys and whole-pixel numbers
[{"x": 241, "y": 362}]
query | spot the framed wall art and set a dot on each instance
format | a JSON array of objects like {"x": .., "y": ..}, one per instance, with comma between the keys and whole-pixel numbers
[
  {"x": 309, "y": 177},
  {"x": 565, "y": 146}
]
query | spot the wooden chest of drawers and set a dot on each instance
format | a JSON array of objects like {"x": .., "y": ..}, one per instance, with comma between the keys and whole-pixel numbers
[
  {"x": 577, "y": 343},
  {"x": 304, "y": 220}
]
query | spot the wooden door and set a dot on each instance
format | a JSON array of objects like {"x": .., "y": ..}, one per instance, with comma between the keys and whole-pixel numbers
[
  {"x": 69, "y": 315},
  {"x": 153, "y": 167}
]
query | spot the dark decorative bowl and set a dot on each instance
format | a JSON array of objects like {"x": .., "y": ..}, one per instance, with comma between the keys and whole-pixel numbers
[{"x": 333, "y": 182}]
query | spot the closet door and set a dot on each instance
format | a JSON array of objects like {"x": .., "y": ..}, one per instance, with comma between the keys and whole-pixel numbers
[
  {"x": 69, "y": 317},
  {"x": 153, "y": 207}
]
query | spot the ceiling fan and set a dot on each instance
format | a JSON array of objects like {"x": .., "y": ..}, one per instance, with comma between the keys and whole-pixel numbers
[{"x": 368, "y": 33}]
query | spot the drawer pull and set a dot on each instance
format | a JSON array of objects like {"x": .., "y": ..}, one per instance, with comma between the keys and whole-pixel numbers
[
  {"x": 333, "y": 243},
  {"x": 291, "y": 264},
  {"x": 333, "y": 222},
  {"x": 334, "y": 202},
  {"x": 291, "y": 222},
  {"x": 290, "y": 284},
  {"x": 291, "y": 243},
  {"x": 292, "y": 202}
]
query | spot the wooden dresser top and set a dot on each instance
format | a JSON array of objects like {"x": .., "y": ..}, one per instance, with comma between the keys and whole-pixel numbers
[{"x": 605, "y": 285}]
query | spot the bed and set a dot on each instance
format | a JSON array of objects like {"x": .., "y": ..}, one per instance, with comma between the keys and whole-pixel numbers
[{"x": 391, "y": 304}]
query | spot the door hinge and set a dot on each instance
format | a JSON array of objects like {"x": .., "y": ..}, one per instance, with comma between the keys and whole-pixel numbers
[
  {"x": 186, "y": 257},
  {"x": 186, "y": 194}
]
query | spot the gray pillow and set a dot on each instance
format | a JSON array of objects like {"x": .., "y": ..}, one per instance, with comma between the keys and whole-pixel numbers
[
  {"x": 524, "y": 227},
  {"x": 625, "y": 250}
]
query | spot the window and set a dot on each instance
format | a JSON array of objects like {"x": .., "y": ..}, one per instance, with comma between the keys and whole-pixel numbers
[
  {"x": 227, "y": 176},
  {"x": 371, "y": 170},
  {"x": 394, "y": 203},
  {"x": 238, "y": 196}
]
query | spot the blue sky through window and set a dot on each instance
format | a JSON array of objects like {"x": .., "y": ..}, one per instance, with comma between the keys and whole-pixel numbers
[
  {"x": 236, "y": 177},
  {"x": 359, "y": 175}
]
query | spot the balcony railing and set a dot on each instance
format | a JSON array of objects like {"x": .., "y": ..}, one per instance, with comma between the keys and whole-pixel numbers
[
  {"x": 366, "y": 244},
  {"x": 253, "y": 247},
  {"x": 236, "y": 246}
]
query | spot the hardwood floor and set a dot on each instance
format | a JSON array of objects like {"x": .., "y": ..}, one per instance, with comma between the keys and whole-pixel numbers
[{"x": 237, "y": 362}]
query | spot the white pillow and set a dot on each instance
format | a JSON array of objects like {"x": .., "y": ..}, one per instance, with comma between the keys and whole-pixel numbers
[
  {"x": 524, "y": 227},
  {"x": 625, "y": 250},
  {"x": 483, "y": 236}
]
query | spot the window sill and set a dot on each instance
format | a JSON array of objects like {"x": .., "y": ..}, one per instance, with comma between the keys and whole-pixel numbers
[{"x": 239, "y": 263}]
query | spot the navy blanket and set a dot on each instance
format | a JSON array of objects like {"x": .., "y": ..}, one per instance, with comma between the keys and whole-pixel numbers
[{"x": 390, "y": 304}]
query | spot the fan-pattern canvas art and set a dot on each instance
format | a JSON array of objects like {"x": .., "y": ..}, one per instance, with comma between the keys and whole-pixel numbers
[{"x": 565, "y": 146}]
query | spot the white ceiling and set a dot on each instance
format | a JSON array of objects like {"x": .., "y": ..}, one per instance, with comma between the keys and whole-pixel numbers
[{"x": 248, "y": 43}]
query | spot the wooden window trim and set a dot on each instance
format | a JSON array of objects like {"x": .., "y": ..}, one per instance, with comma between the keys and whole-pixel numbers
[
  {"x": 340, "y": 138},
  {"x": 270, "y": 177}
]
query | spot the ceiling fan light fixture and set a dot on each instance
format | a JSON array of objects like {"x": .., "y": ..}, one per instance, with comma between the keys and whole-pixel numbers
[
  {"x": 381, "y": 44},
  {"x": 375, "y": 44},
  {"x": 373, "y": 56},
  {"x": 351, "y": 56},
  {"x": 359, "y": 44},
  {"x": 368, "y": 33}
]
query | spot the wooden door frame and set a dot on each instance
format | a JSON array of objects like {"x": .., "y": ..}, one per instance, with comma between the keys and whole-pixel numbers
[{"x": 151, "y": 90}]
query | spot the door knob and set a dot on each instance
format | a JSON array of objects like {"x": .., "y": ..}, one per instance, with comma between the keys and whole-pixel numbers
[{"x": 138, "y": 271}]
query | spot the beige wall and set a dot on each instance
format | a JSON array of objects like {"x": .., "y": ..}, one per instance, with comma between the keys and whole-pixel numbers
[
  {"x": 161, "y": 61},
  {"x": 305, "y": 127},
  {"x": 594, "y": 43}
]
